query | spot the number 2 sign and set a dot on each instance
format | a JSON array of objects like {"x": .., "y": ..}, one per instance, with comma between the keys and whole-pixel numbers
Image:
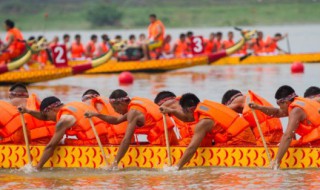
[
  {"x": 59, "y": 54},
  {"x": 197, "y": 46}
]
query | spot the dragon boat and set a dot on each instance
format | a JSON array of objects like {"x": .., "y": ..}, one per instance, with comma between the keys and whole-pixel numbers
[{"x": 15, "y": 156}]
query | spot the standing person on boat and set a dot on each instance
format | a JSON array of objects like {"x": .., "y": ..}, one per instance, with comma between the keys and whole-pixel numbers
[
  {"x": 156, "y": 31},
  {"x": 77, "y": 50},
  {"x": 224, "y": 125},
  {"x": 104, "y": 45},
  {"x": 271, "y": 44},
  {"x": 229, "y": 42},
  {"x": 91, "y": 46},
  {"x": 143, "y": 117},
  {"x": 218, "y": 42},
  {"x": 210, "y": 44},
  {"x": 185, "y": 129},
  {"x": 312, "y": 93},
  {"x": 180, "y": 47},
  {"x": 304, "y": 120},
  {"x": 14, "y": 45},
  {"x": 40, "y": 131},
  {"x": 271, "y": 127},
  {"x": 102, "y": 105},
  {"x": 70, "y": 121}
]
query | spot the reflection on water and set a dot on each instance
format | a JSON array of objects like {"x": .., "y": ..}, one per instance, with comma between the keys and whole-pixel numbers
[
  {"x": 203, "y": 178},
  {"x": 208, "y": 82}
]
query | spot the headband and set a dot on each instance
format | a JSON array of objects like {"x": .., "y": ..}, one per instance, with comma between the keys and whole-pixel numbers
[
  {"x": 289, "y": 97},
  {"x": 89, "y": 96},
  {"x": 165, "y": 99},
  {"x": 52, "y": 106},
  {"x": 232, "y": 98},
  {"x": 18, "y": 94},
  {"x": 123, "y": 99}
]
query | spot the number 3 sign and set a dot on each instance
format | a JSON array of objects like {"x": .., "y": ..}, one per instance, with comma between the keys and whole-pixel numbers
[
  {"x": 197, "y": 46},
  {"x": 59, "y": 54}
]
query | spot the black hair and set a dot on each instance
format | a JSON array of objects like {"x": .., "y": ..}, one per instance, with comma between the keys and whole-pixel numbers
[
  {"x": 162, "y": 95},
  {"x": 189, "y": 100},
  {"x": 230, "y": 32},
  {"x": 182, "y": 35},
  {"x": 312, "y": 91},
  {"x": 219, "y": 33},
  {"x": 228, "y": 95},
  {"x": 132, "y": 36},
  {"x": 119, "y": 93},
  {"x": 66, "y": 36},
  {"x": 18, "y": 85},
  {"x": 9, "y": 23},
  {"x": 48, "y": 101},
  {"x": 153, "y": 15},
  {"x": 118, "y": 37},
  {"x": 277, "y": 35},
  {"x": 189, "y": 33},
  {"x": 90, "y": 91},
  {"x": 105, "y": 37},
  {"x": 77, "y": 36},
  {"x": 283, "y": 92},
  {"x": 31, "y": 38},
  {"x": 93, "y": 36},
  {"x": 39, "y": 37}
]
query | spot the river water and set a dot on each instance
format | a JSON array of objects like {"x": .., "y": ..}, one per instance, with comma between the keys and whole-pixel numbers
[{"x": 208, "y": 82}]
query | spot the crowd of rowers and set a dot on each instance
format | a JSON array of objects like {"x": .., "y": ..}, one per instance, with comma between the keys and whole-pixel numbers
[
  {"x": 119, "y": 118},
  {"x": 156, "y": 45}
]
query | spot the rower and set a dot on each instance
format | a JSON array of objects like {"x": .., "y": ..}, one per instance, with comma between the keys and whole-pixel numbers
[
  {"x": 156, "y": 32},
  {"x": 313, "y": 93},
  {"x": 77, "y": 50},
  {"x": 185, "y": 129},
  {"x": 104, "y": 45},
  {"x": 180, "y": 48},
  {"x": 272, "y": 44},
  {"x": 210, "y": 44},
  {"x": 70, "y": 121},
  {"x": 258, "y": 44},
  {"x": 304, "y": 120},
  {"x": 91, "y": 46},
  {"x": 66, "y": 40},
  {"x": 14, "y": 45},
  {"x": 102, "y": 105},
  {"x": 143, "y": 117},
  {"x": 212, "y": 119},
  {"x": 218, "y": 42},
  {"x": 40, "y": 131},
  {"x": 271, "y": 127},
  {"x": 229, "y": 42}
]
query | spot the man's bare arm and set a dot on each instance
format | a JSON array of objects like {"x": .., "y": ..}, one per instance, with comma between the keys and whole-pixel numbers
[
  {"x": 107, "y": 118},
  {"x": 177, "y": 113},
  {"x": 34, "y": 113},
  {"x": 271, "y": 111}
]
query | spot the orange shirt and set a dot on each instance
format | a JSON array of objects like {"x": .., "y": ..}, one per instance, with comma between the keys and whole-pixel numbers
[
  {"x": 92, "y": 49},
  {"x": 77, "y": 50},
  {"x": 166, "y": 48},
  {"x": 181, "y": 48},
  {"x": 210, "y": 44},
  {"x": 16, "y": 47},
  {"x": 271, "y": 45},
  {"x": 103, "y": 48},
  {"x": 258, "y": 46},
  {"x": 227, "y": 44},
  {"x": 153, "y": 30}
]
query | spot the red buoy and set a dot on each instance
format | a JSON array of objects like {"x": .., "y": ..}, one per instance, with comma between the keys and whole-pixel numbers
[
  {"x": 297, "y": 67},
  {"x": 126, "y": 78}
]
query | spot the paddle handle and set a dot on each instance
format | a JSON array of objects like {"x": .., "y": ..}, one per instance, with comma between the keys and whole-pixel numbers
[
  {"x": 288, "y": 45},
  {"x": 167, "y": 139},
  {"x": 261, "y": 134},
  {"x": 98, "y": 140},
  {"x": 26, "y": 139}
]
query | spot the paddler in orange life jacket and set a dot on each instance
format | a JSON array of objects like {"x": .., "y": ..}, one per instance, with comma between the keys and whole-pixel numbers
[
  {"x": 104, "y": 45},
  {"x": 77, "y": 49},
  {"x": 312, "y": 93},
  {"x": 185, "y": 129},
  {"x": 210, "y": 44},
  {"x": 156, "y": 32},
  {"x": 143, "y": 117},
  {"x": 271, "y": 127},
  {"x": 304, "y": 120},
  {"x": 229, "y": 42},
  {"x": 102, "y": 105},
  {"x": 180, "y": 47},
  {"x": 91, "y": 46},
  {"x": 14, "y": 45},
  {"x": 70, "y": 121},
  {"x": 258, "y": 44},
  {"x": 40, "y": 131},
  {"x": 218, "y": 42},
  {"x": 271, "y": 45},
  {"x": 212, "y": 119}
]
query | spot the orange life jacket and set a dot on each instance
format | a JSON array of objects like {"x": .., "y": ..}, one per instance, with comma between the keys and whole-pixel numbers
[
  {"x": 153, "y": 126},
  {"x": 82, "y": 129},
  {"x": 153, "y": 30},
  {"x": 229, "y": 122},
  {"x": 258, "y": 46},
  {"x": 77, "y": 50},
  {"x": 92, "y": 49},
  {"x": 181, "y": 48},
  {"x": 166, "y": 48},
  {"x": 309, "y": 130},
  {"x": 42, "y": 57},
  {"x": 10, "y": 123},
  {"x": 269, "y": 125},
  {"x": 38, "y": 129},
  {"x": 218, "y": 45},
  {"x": 17, "y": 47},
  {"x": 227, "y": 44},
  {"x": 115, "y": 132},
  {"x": 209, "y": 46},
  {"x": 271, "y": 45},
  {"x": 104, "y": 48}
]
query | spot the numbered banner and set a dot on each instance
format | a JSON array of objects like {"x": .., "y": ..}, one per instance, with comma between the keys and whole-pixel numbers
[
  {"x": 59, "y": 54},
  {"x": 197, "y": 45}
]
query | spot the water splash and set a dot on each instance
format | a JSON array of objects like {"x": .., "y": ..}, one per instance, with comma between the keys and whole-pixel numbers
[
  {"x": 167, "y": 168},
  {"x": 28, "y": 168}
]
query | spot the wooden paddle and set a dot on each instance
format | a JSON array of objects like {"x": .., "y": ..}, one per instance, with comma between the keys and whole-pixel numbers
[
  {"x": 26, "y": 139},
  {"x": 167, "y": 139},
  {"x": 98, "y": 140},
  {"x": 244, "y": 57},
  {"x": 261, "y": 134}
]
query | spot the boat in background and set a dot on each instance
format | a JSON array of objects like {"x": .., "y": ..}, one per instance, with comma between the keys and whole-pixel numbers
[{"x": 15, "y": 156}]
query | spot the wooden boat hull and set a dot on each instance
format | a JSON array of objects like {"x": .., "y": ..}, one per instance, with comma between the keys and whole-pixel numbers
[
  {"x": 14, "y": 156},
  {"x": 279, "y": 59}
]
